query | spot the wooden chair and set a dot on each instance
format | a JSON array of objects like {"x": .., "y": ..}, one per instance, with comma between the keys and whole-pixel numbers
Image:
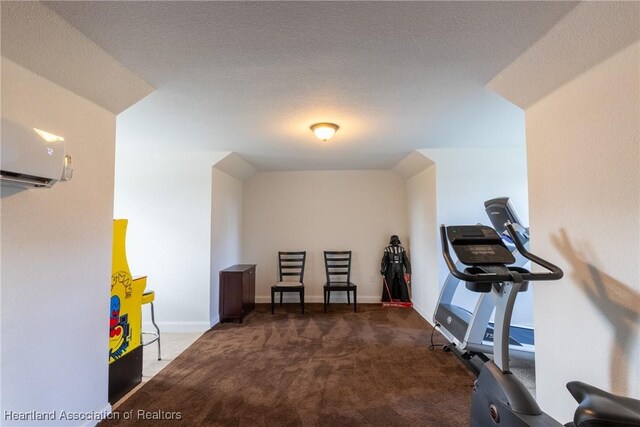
[
  {"x": 291, "y": 271},
  {"x": 337, "y": 266}
]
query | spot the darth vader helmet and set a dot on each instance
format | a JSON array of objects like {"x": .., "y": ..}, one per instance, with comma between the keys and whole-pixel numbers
[{"x": 394, "y": 240}]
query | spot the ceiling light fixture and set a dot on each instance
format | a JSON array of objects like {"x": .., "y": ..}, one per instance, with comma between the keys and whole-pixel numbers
[{"x": 324, "y": 131}]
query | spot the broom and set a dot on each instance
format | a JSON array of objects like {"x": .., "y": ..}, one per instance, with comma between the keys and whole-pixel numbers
[{"x": 392, "y": 302}]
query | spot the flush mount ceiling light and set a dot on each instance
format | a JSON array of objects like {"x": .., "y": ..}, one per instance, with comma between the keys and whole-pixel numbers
[{"x": 324, "y": 131}]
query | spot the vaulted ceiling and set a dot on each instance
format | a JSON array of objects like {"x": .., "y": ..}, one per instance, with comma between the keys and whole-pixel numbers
[{"x": 251, "y": 77}]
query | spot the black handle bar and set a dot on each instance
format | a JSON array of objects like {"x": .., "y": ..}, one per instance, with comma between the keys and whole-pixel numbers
[{"x": 555, "y": 271}]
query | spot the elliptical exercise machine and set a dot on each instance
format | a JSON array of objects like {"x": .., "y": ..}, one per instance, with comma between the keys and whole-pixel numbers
[{"x": 499, "y": 398}]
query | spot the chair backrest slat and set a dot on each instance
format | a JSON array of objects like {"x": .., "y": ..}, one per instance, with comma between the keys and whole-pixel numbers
[
  {"x": 292, "y": 264},
  {"x": 337, "y": 266}
]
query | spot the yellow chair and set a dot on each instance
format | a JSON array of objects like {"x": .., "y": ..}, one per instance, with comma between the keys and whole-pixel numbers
[{"x": 147, "y": 298}]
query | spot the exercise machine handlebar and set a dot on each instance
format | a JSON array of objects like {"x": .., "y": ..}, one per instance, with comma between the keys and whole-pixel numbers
[{"x": 556, "y": 272}]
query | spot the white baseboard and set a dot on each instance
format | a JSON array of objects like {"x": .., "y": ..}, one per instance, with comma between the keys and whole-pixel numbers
[
  {"x": 177, "y": 327},
  {"x": 215, "y": 321},
  {"x": 293, "y": 298},
  {"x": 104, "y": 411},
  {"x": 423, "y": 313},
  {"x": 188, "y": 327}
]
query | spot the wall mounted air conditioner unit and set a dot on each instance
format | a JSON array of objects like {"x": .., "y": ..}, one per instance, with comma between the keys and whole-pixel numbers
[{"x": 30, "y": 157}]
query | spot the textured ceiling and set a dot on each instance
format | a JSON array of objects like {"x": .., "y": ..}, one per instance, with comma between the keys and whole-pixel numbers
[
  {"x": 39, "y": 40},
  {"x": 251, "y": 77},
  {"x": 583, "y": 39}
]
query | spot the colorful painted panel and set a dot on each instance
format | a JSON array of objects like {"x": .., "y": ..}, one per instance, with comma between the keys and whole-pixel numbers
[{"x": 125, "y": 313}]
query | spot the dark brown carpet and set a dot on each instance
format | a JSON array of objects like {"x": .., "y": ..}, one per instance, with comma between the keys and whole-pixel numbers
[{"x": 371, "y": 368}]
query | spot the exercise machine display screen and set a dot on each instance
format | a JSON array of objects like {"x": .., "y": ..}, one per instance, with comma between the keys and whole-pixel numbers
[
  {"x": 479, "y": 250},
  {"x": 478, "y": 245}
]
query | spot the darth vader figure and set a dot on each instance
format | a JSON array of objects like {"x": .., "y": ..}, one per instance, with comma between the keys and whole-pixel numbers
[{"x": 395, "y": 265}]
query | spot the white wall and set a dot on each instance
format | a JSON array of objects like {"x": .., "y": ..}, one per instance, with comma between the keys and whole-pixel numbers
[
  {"x": 423, "y": 232},
  {"x": 583, "y": 144},
  {"x": 226, "y": 231},
  {"x": 56, "y": 258},
  {"x": 464, "y": 179},
  {"x": 467, "y": 177},
  {"x": 323, "y": 210},
  {"x": 167, "y": 199}
]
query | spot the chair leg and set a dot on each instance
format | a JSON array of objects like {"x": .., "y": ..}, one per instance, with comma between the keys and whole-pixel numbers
[
  {"x": 348, "y": 297},
  {"x": 324, "y": 295},
  {"x": 302, "y": 300},
  {"x": 153, "y": 321},
  {"x": 273, "y": 297},
  {"x": 355, "y": 300},
  {"x": 281, "y": 297}
]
